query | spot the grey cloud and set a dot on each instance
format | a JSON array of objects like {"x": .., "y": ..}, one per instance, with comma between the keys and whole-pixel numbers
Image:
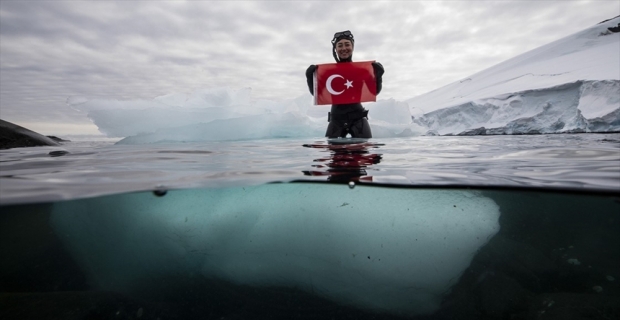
[{"x": 134, "y": 49}]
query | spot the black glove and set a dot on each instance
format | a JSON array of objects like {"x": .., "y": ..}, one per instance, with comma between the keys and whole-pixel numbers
[
  {"x": 310, "y": 70},
  {"x": 309, "y": 78},
  {"x": 378, "y": 69},
  {"x": 378, "y": 75}
]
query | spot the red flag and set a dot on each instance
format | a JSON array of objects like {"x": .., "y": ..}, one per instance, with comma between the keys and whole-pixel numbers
[{"x": 346, "y": 82}]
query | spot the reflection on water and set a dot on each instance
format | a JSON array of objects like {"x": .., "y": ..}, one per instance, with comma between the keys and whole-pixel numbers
[{"x": 347, "y": 160}]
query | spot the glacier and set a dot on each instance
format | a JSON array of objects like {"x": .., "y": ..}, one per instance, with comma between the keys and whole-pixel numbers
[
  {"x": 568, "y": 108},
  {"x": 571, "y": 85}
]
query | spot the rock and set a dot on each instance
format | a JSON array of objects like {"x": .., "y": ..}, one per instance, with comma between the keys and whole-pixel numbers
[
  {"x": 55, "y": 138},
  {"x": 14, "y": 136}
]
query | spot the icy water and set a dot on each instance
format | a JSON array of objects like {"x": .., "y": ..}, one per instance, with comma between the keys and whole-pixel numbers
[
  {"x": 86, "y": 168},
  {"x": 487, "y": 227}
]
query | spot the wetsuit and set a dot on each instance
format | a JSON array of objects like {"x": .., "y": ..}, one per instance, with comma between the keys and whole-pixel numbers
[{"x": 348, "y": 118}]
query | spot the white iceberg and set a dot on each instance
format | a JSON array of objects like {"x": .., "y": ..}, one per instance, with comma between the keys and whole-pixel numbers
[
  {"x": 383, "y": 249},
  {"x": 569, "y": 85}
]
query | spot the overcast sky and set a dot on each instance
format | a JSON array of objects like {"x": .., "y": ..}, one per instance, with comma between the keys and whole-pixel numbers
[{"x": 51, "y": 50}]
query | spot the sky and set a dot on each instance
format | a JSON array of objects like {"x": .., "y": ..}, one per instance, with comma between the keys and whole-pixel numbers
[{"x": 126, "y": 50}]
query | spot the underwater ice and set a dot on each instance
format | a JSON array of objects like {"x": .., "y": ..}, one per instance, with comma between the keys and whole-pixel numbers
[{"x": 383, "y": 249}]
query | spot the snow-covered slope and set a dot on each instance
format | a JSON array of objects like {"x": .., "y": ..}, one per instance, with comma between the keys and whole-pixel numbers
[{"x": 570, "y": 85}]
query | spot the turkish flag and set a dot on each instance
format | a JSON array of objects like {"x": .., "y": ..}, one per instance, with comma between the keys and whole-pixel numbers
[{"x": 343, "y": 83}]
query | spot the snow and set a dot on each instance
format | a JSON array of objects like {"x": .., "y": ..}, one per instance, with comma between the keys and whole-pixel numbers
[
  {"x": 384, "y": 249},
  {"x": 569, "y": 85},
  {"x": 530, "y": 93}
]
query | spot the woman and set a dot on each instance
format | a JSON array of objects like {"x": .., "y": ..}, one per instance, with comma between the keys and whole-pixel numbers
[{"x": 346, "y": 118}]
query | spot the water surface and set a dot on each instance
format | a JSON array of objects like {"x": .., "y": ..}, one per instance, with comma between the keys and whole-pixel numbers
[{"x": 85, "y": 169}]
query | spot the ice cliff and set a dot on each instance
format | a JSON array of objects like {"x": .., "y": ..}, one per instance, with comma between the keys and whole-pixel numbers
[{"x": 569, "y": 85}]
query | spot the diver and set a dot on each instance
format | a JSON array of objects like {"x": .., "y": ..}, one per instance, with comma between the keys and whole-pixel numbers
[{"x": 346, "y": 118}]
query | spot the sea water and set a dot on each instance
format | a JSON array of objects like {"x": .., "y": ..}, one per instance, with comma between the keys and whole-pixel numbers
[{"x": 433, "y": 227}]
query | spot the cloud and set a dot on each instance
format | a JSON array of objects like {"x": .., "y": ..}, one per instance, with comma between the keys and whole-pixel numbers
[{"x": 50, "y": 50}]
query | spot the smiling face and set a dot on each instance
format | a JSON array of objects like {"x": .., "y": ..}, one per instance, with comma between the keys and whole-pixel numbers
[{"x": 344, "y": 49}]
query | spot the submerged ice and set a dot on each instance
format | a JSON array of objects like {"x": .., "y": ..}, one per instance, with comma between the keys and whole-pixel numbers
[
  {"x": 383, "y": 249},
  {"x": 569, "y": 85}
]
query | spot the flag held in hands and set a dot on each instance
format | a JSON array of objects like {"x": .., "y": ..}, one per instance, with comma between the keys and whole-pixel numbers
[{"x": 343, "y": 83}]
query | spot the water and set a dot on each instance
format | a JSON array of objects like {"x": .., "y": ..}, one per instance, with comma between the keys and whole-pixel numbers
[
  {"x": 86, "y": 169},
  {"x": 498, "y": 227}
]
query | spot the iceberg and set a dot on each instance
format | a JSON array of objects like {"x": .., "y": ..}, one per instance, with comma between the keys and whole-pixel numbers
[
  {"x": 226, "y": 114},
  {"x": 569, "y": 85},
  {"x": 388, "y": 250}
]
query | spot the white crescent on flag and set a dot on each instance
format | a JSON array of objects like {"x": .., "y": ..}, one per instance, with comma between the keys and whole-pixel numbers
[{"x": 328, "y": 84}]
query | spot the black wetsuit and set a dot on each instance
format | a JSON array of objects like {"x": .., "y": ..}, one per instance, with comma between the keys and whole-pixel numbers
[{"x": 348, "y": 118}]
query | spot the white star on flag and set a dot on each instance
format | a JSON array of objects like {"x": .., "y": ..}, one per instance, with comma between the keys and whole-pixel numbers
[{"x": 349, "y": 84}]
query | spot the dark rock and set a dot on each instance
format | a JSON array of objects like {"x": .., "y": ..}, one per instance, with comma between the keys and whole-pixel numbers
[
  {"x": 58, "y": 153},
  {"x": 55, "y": 138},
  {"x": 608, "y": 19},
  {"x": 14, "y": 136},
  {"x": 432, "y": 133}
]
